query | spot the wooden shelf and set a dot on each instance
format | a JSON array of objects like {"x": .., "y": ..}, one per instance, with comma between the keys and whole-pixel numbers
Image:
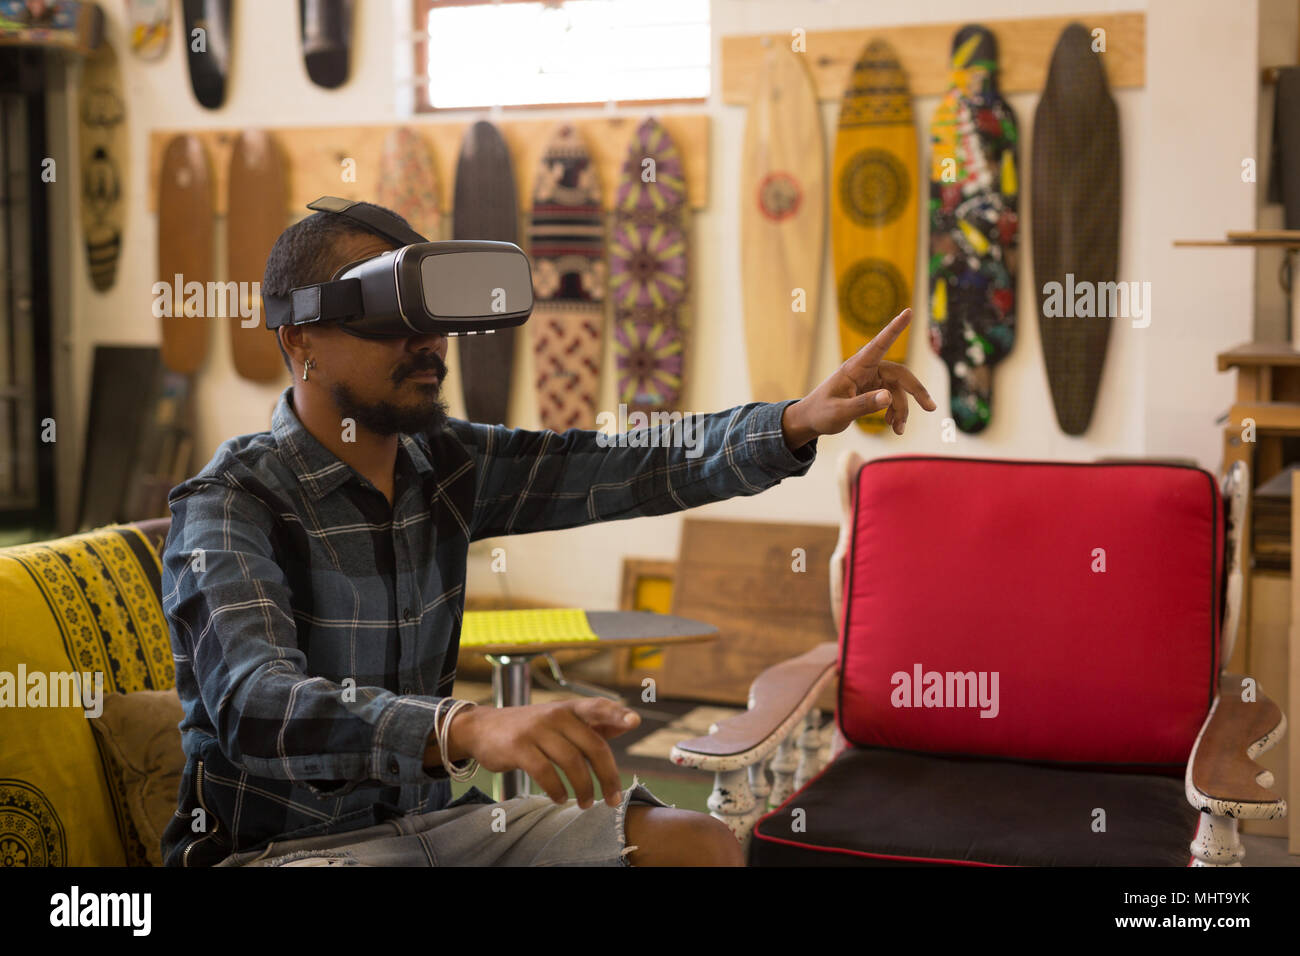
[
  {"x": 1256, "y": 354},
  {"x": 1025, "y": 48}
]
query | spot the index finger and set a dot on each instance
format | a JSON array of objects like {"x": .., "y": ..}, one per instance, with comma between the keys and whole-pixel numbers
[
  {"x": 593, "y": 744},
  {"x": 871, "y": 353}
]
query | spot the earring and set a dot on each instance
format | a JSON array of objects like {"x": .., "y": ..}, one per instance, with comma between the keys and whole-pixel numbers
[{"x": 306, "y": 366}]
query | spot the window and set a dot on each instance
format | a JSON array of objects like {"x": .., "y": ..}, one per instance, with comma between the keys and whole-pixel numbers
[{"x": 479, "y": 53}]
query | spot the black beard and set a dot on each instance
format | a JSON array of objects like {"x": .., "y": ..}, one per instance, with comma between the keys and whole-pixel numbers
[{"x": 385, "y": 418}]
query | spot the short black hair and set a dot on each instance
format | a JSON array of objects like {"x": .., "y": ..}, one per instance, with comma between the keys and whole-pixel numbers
[{"x": 306, "y": 254}]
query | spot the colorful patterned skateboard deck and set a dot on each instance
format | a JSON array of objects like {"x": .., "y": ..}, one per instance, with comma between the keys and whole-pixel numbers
[
  {"x": 567, "y": 246},
  {"x": 102, "y": 148},
  {"x": 326, "y": 27},
  {"x": 874, "y": 206},
  {"x": 782, "y": 226},
  {"x": 648, "y": 272},
  {"x": 974, "y": 227},
  {"x": 185, "y": 249},
  {"x": 256, "y": 214},
  {"x": 408, "y": 183},
  {"x": 150, "y": 22},
  {"x": 1076, "y": 209},
  {"x": 486, "y": 207},
  {"x": 210, "y": 65}
]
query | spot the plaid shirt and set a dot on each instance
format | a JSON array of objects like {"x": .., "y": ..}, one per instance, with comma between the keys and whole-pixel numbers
[{"x": 315, "y": 629}]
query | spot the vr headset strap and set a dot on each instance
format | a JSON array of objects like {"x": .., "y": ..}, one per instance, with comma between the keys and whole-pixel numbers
[{"x": 340, "y": 299}]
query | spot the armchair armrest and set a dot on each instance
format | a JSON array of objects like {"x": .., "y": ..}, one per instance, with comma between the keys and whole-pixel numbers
[
  {"x": 1222, "y": 778},
  {"x": 778, "y": 700}
]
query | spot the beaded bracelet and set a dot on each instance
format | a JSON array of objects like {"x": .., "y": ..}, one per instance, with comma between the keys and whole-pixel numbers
[{"x": 470, "y": 765}]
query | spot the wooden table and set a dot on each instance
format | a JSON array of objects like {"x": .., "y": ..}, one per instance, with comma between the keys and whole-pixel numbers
[{"x": 512, "y": 677}]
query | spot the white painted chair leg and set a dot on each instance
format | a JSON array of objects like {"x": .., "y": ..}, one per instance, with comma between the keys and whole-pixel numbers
[
  {"x": 785, "y": 761},
  {"x": 810, "y": 743},
  {"x": 1216, "y": 842},
  {"x": 733, "y": 802},
  {"x": 759, "y": 785}
]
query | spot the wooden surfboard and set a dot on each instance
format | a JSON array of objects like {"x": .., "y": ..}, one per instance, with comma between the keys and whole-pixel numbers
[
  {"x": 486, "y": 207},
  {"x": 408, "y": 182},
  {"x": 567, "y": 245},
  {"x": 326, "y": 28},
  {"x": 150, "y": 22},
  {"x": 185, "y": 249},
  {"x": 874, "y": 185},
  {"x": 210, "y": 64},
  {"x": 256, "y": 213},
  {"x": 782, "y": 226},
  {"x": 1075, "y": 198},
  {"x": 102, "y": 148},
  {"x": 648, "y": 272},
  {"x": 974, "y": 227}
]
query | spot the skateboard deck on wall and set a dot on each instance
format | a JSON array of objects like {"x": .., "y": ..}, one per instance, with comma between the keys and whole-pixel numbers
[
  {"x": 874, "y": 185},
  {"x": 209, "y": 66},
  {"x": 150, "y": 22},
  {"x": 567, "y": 246},
  {"x": 974, "y": 227},
  {"x": 408, "y": 182},
  {"x": 256, "y": 213},
  {"x": 782, "y": 226},
  {"x": 102, "y": 148},
  {"x": 648, "y": 272},
  {"x": 1076, "y": 209},
  {"x": 185, "y": 249},
  {"x": 486, "y": 207},
  {"x": 326, "y": 28}
]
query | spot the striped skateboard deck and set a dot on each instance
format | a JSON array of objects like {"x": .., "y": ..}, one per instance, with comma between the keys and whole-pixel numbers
[
  {"x": 256, "y": 214},
  {"x": 486, "y": 207},
  {"x": 208, "y": 52},
  {"x": 974, "y": 227},
  {"x": 408, "y": 182},
  {"x": 150, "y": 22},
  {"x": 185, "y": 250},
  {"x": 648, "y": 270},
  {"x": 1075, "y": 197},
  {"x": 782, "y": 226},
  {"x": 875, "y": 174},
  {"x": 567, "y": 246},
  {"x": 102, "y": 147}
]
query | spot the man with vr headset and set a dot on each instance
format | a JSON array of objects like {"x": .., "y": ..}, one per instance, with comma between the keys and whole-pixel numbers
[{"x": 314, "y": 575}]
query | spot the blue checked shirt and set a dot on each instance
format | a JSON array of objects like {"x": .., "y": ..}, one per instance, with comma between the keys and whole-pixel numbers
[{"x": 315, "y": 628}]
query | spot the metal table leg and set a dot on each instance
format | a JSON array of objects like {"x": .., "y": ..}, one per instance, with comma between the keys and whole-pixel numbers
[{"x": 511, "y": 687}]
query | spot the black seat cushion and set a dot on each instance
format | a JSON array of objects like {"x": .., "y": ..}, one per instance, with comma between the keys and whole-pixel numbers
[{"x": 874, "y": 807}]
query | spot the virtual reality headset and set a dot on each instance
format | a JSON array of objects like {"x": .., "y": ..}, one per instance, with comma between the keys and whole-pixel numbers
[{"x": 459, "y": 287}]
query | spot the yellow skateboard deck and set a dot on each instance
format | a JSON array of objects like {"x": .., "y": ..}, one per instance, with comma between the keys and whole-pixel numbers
[
  {"x": 874, "y": 205},
  {"x": 782, "y": 226}
]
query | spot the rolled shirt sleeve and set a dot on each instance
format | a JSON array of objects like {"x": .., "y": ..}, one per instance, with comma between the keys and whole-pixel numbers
[
  {"x": 546, "y": 481},
  {"x": 228, "y": 602}
]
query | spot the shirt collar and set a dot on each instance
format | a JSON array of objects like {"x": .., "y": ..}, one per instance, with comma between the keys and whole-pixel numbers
[{"x": 318, "y": 468}]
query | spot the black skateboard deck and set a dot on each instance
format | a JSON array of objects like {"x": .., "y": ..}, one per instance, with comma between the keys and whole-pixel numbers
[
  {"x": 326, "y": 28},
  {"x": 1075, "y": 199},
  {"x": 486, "y": 207},
  {"x": 208, "y": 51}
]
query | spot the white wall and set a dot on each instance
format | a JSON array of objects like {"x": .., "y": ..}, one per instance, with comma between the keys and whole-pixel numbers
[{"x": 1183, "y": 138}]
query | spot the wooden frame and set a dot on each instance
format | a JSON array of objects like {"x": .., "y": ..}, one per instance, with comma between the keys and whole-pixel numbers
[
  {"x": 1025, "y": 48},
  {"x": 420, "y": 10},
  {"x": 627, "y": 671}
]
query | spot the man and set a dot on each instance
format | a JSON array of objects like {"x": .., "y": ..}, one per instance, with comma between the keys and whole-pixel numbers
[{"x": 314, "y": 584}]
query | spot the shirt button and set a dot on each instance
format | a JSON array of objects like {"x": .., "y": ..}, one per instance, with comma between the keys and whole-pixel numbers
[
  {"x": 406, "y": 614},
  {"x": 407, "y": 690},
  {"x": 393, "y": 768}
]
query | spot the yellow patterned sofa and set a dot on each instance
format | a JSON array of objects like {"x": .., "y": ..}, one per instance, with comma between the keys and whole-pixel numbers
[{"x": 88, "y": 603}]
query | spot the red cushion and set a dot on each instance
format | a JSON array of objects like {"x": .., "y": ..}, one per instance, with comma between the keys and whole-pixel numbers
[{"x": 985, "y": 568}]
